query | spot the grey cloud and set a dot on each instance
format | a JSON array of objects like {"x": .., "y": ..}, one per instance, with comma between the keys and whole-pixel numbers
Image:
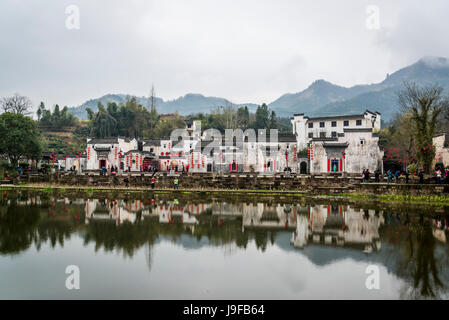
[{"x": 245, "y": 51}]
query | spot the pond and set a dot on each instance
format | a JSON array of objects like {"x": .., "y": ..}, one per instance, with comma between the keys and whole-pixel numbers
[{"x": 155, "y": 246}]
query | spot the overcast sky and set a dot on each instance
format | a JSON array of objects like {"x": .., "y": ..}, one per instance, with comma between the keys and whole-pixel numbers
[{"x": 245, "y": 51}]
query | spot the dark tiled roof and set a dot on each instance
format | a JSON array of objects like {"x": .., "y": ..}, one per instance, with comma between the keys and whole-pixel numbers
[
  {"x": 286, "y": 137},
  {"x": 324, "y": 139},
  {"x": 336, "y": 145},
  {"x": 152, "y": 142},
  {"x": 132, "y": 151},
  {"x": 103, "y": 141},
  {"x": 341, "y": 117}
]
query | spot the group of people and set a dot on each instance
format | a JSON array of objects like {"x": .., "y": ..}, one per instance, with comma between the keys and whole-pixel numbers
[
  {"x": 390, "y": 176},
  {"x": 398, "y": 173},
  {"x": 110, "y": 170},
  {"x": 366, "y": 175}
]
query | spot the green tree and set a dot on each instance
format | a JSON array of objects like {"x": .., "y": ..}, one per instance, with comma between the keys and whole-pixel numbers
[
  {"x": 262, "y": 117},
  {"x": 164, "y": 128},
  {"x": 243, "y": 117},
  {"x": 19, "y": 137},
  {"x": 40, "y": 111},
  {"x": 103, "y": 125},
  {"x": 56, "y": 120},
  {"x": 274, "y": 123}
]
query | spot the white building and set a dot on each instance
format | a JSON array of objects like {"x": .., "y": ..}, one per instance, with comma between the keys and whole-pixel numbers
[
  {"x": 341, "y": 143},
  {"x": 441, "y": 144},
  {"x": 352, "y": 151},
  {"x": 110, "y": 152},
  {"x": 306, "y": 128}
]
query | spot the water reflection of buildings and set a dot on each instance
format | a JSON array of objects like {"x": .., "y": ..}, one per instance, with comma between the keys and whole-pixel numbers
[
  {"x": 172, "y": 211},
  {"x": 118, "y": 210},
  {"x": 129, "y": 210},
  {"x": 339, "y": 225},
  {"x": 277, "y": 216}
]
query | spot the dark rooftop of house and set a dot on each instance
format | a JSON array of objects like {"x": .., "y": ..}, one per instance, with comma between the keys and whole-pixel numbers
[
  {"x": 103, "y": 141},
  {"x": 152, "y": 142},
  {"x": 349, "y": 116},
  {"x": 336, "y": 145}
]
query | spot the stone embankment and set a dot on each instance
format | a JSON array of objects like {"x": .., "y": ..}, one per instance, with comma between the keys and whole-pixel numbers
[{"x": 317, "y": 185}]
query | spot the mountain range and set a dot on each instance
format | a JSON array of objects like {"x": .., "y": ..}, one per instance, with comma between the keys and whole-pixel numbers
[{"x": 321, "y": 98}]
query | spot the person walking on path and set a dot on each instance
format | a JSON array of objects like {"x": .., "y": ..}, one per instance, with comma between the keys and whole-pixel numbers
[
  {"x": 439, "y": 176},
  {"x": 407, "y": 174},
  {"x": 366, "y": 176},
  {"x": 153, "y": 182},
  {"x": 176, "y": 183},
  {"x": 376, "y": 176},
  {"x": 421, "y": 176},
  {"x": 397, "y": 175},
  {"x": 389, "y": 175}
]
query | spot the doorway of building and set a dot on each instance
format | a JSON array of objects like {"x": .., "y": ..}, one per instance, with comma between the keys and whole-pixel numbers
[
  {"x": 335, "y": 164},
  {"x": 147, "y": 163},
  {"x": 102, "y": 163},
  {"x": 303, "y": 168}
]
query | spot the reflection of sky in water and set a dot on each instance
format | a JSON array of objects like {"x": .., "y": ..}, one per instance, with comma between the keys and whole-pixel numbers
[
  {"x": 292, "y": 251},
  {"x": 179, "y": 273}
]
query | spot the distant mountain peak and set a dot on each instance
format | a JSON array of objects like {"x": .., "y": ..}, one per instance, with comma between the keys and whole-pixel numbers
[
  {"x": 321, "y": 83},
  {"x": 435, "y": 62}
]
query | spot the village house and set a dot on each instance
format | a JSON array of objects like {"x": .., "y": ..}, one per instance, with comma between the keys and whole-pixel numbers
[
  {"x": 340, "y": 144},
  {"x": 117, "y": 152},
  {"x": 306, "y": 128},
  {"x": 441, "y": 144}
]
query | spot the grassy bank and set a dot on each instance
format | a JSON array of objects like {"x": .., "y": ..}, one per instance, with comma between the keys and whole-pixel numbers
[{"x": 434, "y": 200}]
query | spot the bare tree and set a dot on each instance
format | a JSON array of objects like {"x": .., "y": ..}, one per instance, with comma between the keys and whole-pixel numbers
[
  {"x": 425, "y": 105},
  {"x": 152, "y": 100},
  {"x": 16, "y": 104}
]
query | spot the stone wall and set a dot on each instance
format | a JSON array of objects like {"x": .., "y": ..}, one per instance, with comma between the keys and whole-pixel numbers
[{"x": 326, "y": 184}]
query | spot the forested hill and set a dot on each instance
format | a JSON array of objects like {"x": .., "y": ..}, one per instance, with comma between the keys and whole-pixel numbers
[{"x": 185, "y": 105}]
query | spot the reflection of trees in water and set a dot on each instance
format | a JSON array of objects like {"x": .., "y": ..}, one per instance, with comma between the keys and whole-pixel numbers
[
  {"x": 149, "y": 253},
  {"x": 17, "y": 228},
  {"x": 416, "y": 259},
  {"x": 426, "y": 274},
  {"x": 23, "y": 225},
  {"x": 126, "y": 237}
]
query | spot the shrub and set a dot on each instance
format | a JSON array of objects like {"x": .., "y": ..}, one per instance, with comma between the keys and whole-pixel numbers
[{"x": 412, "y": 168}]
